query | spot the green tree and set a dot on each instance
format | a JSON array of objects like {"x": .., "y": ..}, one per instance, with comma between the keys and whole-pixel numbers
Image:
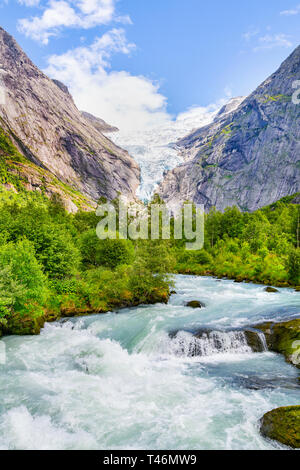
[
  {"x": 294, "y": 265},
  {"x": 22, "y": 277},
  {"x": 110, "y": 252}
]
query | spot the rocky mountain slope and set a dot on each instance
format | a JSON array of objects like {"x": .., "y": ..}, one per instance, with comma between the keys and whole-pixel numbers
[
  {"x": 249, "y": 157},
  {"x": 98, "y": 123},
  {"x": 58, "y": 142}
]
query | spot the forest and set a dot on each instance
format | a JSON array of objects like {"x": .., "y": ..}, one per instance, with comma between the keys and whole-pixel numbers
[{"x": 53, "y": 265}]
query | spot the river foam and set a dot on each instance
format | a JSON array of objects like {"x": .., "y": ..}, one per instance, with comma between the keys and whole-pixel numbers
[{"x": 116, "y": 381}]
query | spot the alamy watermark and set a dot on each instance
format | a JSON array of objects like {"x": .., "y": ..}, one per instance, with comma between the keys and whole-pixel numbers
[
  {"x": 138, "y": 222},
  {"x": 295, "y": 358},
  {"x": 2, "y": 90},
  {"x": 2, "y": 353},
  {"x": 296, "y": 94}
]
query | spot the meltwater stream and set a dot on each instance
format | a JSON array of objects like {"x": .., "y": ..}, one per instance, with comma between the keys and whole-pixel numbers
[{"x": 128, "y": 380}]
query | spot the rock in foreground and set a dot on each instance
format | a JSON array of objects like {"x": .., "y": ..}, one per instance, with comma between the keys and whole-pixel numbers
[{"x": 283, "y": 425}]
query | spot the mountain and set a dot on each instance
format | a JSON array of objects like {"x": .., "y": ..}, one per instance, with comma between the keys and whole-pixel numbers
[
  {"x": 189, "y": 151},
  {"x": 64, "y": 149},
  {"x": 249, "y": 156},
  {"x": 98, "y": 123},
  {"x": 155, "y": 148}
]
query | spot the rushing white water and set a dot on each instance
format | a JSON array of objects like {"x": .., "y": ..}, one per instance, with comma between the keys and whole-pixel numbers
[
  {"x": 209, "y": 343},
  {"x": 124, "y": 381}
]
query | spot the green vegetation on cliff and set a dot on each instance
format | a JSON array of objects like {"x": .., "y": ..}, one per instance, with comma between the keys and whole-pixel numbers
[{"x": 19, "y": 175}]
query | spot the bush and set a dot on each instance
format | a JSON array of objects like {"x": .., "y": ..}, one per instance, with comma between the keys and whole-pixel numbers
[
  {"x": 56, "y": 251},
  {"x": 109, "y": 253},
  {"x": 23, "y": 283},
  {"x": 293, "y": 265},
  {"x": 203, "y": 257}
]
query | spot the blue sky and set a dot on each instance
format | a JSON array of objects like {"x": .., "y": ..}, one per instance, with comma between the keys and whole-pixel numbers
[{"x": 159, "y": 57}]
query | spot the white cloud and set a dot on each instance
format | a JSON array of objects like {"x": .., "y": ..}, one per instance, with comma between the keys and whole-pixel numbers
[
  {"x": 292, "y": 12},
  {"x": 132, "y": 103},
  {"x": 270, "y": 41},
  {"x": 29, "y": 3},
  {"x": 250, "y": 34},
  {"x": 120, "y": 98},
  {"x": 61, "y": 14}
]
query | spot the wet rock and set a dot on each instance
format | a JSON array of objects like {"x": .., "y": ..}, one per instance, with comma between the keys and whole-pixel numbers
[
  {"x": 261, "y": 383},
  {"x": 271, "y": 289},
  {"x": 283, "y": 425},
  {"x": 195, "y": 304},
  {"x": 254, "y": 340},
  {"x": 283, "y": 338}
]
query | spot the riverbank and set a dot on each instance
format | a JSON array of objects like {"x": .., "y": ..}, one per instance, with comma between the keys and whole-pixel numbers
[
  {"x": 200, "y": 271},
  {"x": 120, "y": 380},
  {"x": 32, "y": 324}
]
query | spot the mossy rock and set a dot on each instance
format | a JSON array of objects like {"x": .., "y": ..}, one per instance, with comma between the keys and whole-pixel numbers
[
  {"x": 297, "y": 289},
  {"x": 271, "y": 289},
  {"x": 283, "y": 425},
  {"x": 254, "y": 341},
  {"x": 195, "y": 304},
  {"x": 283, "y": 338},
  {"x": 25, "y": 325}
]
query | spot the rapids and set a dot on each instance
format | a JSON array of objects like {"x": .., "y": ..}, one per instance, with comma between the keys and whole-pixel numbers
[{"x": 125, "y": 381}]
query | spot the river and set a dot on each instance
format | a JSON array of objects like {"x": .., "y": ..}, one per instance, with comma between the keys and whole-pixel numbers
[{"x": 121, "y": 381}]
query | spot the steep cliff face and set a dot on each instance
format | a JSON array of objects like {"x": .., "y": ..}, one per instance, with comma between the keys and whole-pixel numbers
[
  {"x": 98, "y": 123},
  {"x": 42, "y": 120},
  {"x": 249, "y": 157}
]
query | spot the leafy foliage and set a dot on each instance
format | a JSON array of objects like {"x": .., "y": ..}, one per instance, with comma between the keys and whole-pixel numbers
[
  {"x": 53, "y": 264},
  {"x": 262, "y": 246}
]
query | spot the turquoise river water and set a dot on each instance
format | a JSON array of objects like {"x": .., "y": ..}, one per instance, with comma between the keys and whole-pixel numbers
[{"x": 121, "y": 381}]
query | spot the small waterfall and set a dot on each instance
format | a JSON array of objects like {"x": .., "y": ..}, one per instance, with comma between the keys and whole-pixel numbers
[
  {"x": 263, "y": 340},
  {"x": 209, "y": 343}
]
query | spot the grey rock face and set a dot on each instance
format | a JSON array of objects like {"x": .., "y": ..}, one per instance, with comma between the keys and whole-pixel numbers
[
  {"x": 248, "y": 157},
  {"x": 49, "y": 130},
  {"x": 98, "y": 123}
]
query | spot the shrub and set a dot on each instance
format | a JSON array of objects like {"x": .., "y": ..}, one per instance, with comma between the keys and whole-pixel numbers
[
  {"x": 109, "y": 253},
  {"x": 22, "y": 279},
  {"x": 293, "y": 265}
]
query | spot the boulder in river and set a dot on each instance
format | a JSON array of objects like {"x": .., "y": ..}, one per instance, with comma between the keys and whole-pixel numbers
[
  {"x": 195, "y": 304},
  {"x": 283, "y": 425},
  {"x": 255, "y": 340},
  {"x": 271, "y": 290},
  {"x": 283, "y": 338}
]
